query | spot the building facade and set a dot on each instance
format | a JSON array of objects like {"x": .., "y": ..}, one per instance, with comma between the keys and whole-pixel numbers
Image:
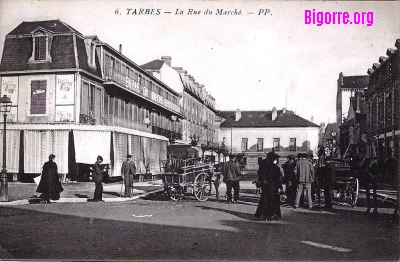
[
  {"x": 198, "y": 106},
  {"x": 77, "y": 97},
  {"x": 351, "y": 138},
  {"x": 383, "y": 107},
  {"x": 257, "y": 132}
]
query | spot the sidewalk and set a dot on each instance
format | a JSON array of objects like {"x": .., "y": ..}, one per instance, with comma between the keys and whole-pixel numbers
[{"x": 25, "y": 193}]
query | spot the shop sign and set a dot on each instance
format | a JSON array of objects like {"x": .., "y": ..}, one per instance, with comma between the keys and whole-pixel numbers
[
  {"x": 65, "y": 91},
  {"x": 64, "y": 113},
  {"x": 9, "y": 87}
]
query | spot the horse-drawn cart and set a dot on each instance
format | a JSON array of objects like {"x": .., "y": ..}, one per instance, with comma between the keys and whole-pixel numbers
[
  {"x": 345, "y": 183},
  {"x": 186, "y": 173},
  {"x": 345, "y": 190}
]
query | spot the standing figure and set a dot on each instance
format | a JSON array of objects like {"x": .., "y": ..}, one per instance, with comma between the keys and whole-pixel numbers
[
  {"x": 290, "y": 179},
  {"x": 270, "y": 181},
  {"x": 98, "y": 171},
  {"x": 50, "y": 185},
  {"x": 128, "y": 171},
  {"x": 304, "y": 171},
  {"x": 326, "y": 178},
  {"x": 231, "y": 172}
]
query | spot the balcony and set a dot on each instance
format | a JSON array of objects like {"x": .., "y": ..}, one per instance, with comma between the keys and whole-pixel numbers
[{"x": 85, "y": 119}]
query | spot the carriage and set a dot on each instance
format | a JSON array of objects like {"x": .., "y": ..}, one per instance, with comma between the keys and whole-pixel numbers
[
  {"x": 185, "y": 173},
  {"x": 345, "y": 185}
]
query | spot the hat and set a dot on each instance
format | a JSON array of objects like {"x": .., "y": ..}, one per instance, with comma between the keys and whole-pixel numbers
[
  {"x": 52, "y": 156},
  {"x": 290, "y": 157},
  {"x": 100, "y": 157},
  {"x": 128, "y": 156},
  {"x": 232, "y": 156}
]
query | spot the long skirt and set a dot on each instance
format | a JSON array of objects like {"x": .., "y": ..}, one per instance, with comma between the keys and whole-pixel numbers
[{"x": 269, "y": 204}]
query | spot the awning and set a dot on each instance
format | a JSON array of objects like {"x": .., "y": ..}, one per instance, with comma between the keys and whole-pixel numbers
[
  {"x": 12, "y": 150},
  {"x": 38, "y": 145},
  {"x": 90, "y": 144}
]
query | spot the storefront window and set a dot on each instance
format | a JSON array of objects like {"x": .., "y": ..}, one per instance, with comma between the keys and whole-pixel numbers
[{"x": 38, "y": 97}]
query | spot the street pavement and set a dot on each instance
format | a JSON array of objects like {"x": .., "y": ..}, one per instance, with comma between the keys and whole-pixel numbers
[{"x": 25, "y": 193}]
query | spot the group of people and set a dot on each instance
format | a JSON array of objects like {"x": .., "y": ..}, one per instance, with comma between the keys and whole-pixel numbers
[
  {"x": 293, "y": 179},
  {"x": 50, "y": 185}
]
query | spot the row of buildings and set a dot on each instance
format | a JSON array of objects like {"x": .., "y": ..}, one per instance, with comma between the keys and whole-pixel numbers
[
  {"x": 77, "y": 97},
  {"x": 371, "y": 127}
]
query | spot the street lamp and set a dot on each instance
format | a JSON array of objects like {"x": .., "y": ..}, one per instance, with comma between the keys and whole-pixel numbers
[{"x": 5, "y": 107}]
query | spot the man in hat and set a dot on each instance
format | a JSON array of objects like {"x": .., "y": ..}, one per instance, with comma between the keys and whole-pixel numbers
[
  {"x": 304, "y": 171},
  {"x": 231, "y": 172},
  {"x": 128, "y": 171}
]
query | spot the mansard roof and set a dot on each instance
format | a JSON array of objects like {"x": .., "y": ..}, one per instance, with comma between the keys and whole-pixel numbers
[
  {"x": 68, "y": 50},
  {"x": 53, "y": 26},
  {"x": 264, "y": 119},
  {"x": 153, "y": 65},
  {"x": 354, "y": 82}
]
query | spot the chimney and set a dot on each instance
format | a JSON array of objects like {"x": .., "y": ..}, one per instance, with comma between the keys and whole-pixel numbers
[
  {"x": 238, "y": 114},
  {"x": 283, "y": 110},
  {"x": 274, "y": 113},
  {"x": 312, "y": 119},
  {"x": 167, "y": 60},
  {"x": 120, "y": 48}
]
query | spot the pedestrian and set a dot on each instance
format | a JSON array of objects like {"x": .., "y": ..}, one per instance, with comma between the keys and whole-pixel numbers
[
  {"x": 50, "y": 185},
  {"x": 128, "y": 171},
  {"x": 304, "y": 171},
  {"x": 269, "y": 177},
  {"x": 231, "y": 172},
  {"x": 290, "y": 179},
  {"x": 327, "y": 176},
  {"x": 98, "y": 171}
]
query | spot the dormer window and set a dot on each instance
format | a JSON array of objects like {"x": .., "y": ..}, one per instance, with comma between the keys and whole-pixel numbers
[
  {"x": 41, "y": 47},
  {"x": 90, "y": 44}
]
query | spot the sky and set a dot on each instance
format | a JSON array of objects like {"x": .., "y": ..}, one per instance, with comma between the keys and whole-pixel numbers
[{"x": 266, "y": 56}]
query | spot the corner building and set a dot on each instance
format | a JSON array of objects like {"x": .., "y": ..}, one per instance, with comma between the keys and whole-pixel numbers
[{"x": 77, "y": 97}]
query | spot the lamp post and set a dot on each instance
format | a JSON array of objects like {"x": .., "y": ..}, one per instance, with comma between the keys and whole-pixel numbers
[{"x": 5, "y": 107}]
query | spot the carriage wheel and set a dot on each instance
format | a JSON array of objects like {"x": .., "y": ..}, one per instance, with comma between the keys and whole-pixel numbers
[
  {"x": 354, "y": 191},
  {"x": 174, "y": 192},
  {"x": 202, "y": 186}
]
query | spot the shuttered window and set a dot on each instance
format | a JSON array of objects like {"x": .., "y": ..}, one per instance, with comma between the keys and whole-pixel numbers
[{"x": 38, "y": 97}]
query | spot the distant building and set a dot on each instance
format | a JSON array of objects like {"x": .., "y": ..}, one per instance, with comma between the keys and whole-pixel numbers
[
  {"x": 352, "y": 124},
  {"x": 257, "y": 132},
  {"x": 383, "y": 106},
  {"x": 198, "y": 106}
]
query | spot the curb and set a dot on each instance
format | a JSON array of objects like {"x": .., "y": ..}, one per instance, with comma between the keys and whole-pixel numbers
[{"x": 83, "y": 200}]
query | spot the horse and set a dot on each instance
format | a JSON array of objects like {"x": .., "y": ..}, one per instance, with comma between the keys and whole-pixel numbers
[{"x": 377, "y": 172}]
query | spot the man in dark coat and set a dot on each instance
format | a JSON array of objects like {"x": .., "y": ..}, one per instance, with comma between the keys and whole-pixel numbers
[
  {"x": 270, "y": 181},
  {"x": 128, "y": 170},
  {"x": 50, "y": 185},
  {"x": 231, "y": 172},
  {"x": 98, "y": 172}
]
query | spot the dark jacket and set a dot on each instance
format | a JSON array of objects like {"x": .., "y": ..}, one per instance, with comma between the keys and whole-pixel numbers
[
  {"x": 269, "y": 173},
  {"x": 128, "y": 167},
  {"x": 231, "y": 171},
  {"x": 98, "y": 171}
]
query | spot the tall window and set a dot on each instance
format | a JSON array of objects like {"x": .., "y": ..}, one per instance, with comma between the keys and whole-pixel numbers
[
  {"x": 40, "y": 47},
  {"x": 38, "y": 97},
  {"x": 292, "y": 144},
  {"x": 91, "y": 100},
  {"x": 244, "y": 144},
  {"x": 260, "y": 144},
  {"x": 276, "y": 144}
]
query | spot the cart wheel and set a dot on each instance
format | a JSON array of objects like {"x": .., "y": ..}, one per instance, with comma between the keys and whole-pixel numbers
[
  {"x": 202, "y": 186},
  {"x": 174, "y": 192},
  {"x": 354, "y": 191}
]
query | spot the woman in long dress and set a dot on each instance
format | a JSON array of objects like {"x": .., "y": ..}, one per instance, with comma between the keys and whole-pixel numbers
[
  {"x": 50, "y": 185},
  {"x": 270, "y": 182}
]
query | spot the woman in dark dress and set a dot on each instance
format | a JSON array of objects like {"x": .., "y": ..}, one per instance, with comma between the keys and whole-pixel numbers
[
  {"x": 270, "y": 182},
  {"x": 49, "y": 184}
]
